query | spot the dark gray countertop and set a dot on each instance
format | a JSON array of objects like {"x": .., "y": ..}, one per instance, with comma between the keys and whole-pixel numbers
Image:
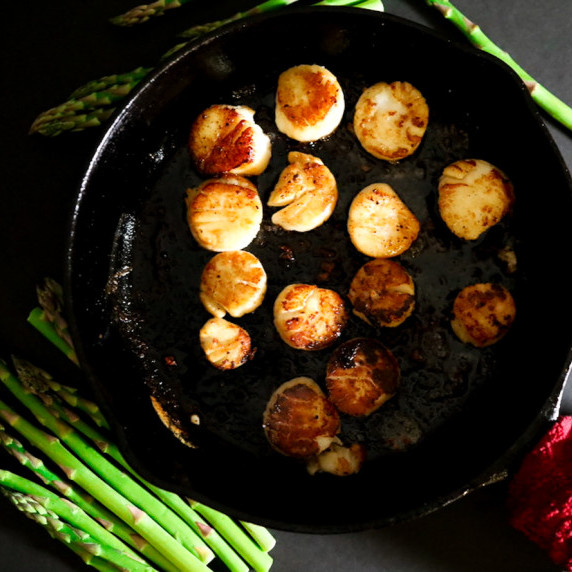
[{"x": 48, "y": 49}]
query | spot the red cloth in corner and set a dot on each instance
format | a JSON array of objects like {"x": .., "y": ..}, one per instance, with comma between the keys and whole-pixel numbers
[{"x": 540, "y": 494}]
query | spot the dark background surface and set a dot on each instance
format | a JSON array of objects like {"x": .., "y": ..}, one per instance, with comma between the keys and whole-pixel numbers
[{"x": 49, "y": 49}]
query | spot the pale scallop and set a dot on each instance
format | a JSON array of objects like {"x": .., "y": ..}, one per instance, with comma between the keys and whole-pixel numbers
[
  {"x": 308, "y": 317},
  {"x": 380, "y": 225},
  {"x": 309, "y": 103},
  {"x": 226, "y": 345},
  {"x": 361, "y": 375},
  {"x": 483, "y": 314},
  {"x": 474, "y": 195},
  {"x": 390, "y": 120},
  {"x": 308, "y": 192},
  {"x": 232, "y": 282},
  {"x": 382, "y": 293},
  {"x": 226, "y": 139},
  {"x": 299, "y": 420},
  {"x": 224, "y": 213}
]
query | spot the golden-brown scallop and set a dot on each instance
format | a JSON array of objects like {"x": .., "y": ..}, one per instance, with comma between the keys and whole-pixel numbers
[
  {"x": 309, "y": 102},
  {"x": 226, "y": 345},
  {"x": 308, "y": 317},
  {"x": 233, "y": 282},
  {"x": 338, "y": 460},
  {"x": 382, "y": 293},
  {"x": 361, "y": 375},
  {"x": 390, "y": 120},
  {"x": 380, "y": 225},
  {"x": 308, "y": 192},
  {"x": 224, "y": 213},
  {"x": 299, "y": 421},
  {"x": 483, "y": 314},
  {"x": 226, "y": 139},
  {"x": 473, "y": 196}
]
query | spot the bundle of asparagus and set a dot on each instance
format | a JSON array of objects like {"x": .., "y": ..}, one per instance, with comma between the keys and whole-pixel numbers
[{"x": 87, "y": 496}]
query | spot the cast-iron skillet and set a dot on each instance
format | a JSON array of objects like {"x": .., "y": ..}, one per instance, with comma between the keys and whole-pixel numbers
[{"x": 462, "y": 416}]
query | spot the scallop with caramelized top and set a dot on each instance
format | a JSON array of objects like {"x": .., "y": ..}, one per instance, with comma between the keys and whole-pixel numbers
[
  {"x": 390, "y": 120},
  {"x": 473, "y": 196},
  {"x": 226, "y": 345},
  {"x": 361, "y": 375},
  {"x": 226, "y": 139},
  {"x": 382, "y": 293},
  {"x": 309, "y": 102},
  {"x": 299, "y": 421},
  {"x": 308, "y": 317},
  {"x": 380, "y": 225},
  {"x": 233, "y": 282},
  {"x": 224, "y": 213},
  {"x": 308, "y": 192},
  {"x": 483, "y": 314}
]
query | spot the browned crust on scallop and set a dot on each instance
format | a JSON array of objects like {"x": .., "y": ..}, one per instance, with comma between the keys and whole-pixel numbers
[
  {"x": 380, "y": 224},
  {"x": 483, "y": 314},
  {"x": 322, "y": 94},
  {"x": 233, "y": 147},
  {"x": 402, "y": 132},
  {"x": 233, "y": 200},
  {"x": 491, "y": 196},
  {"x": 382, "y": 293},
  {"x": 226, "y": 353},
  {"x": 361, "y": 375},
  {"x": 233, "y": 281},
  {"x": 305, "y": 329},
  {"x": 299, "y": 420}
]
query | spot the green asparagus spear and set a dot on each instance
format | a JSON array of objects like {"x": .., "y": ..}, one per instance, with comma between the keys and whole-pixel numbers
[
  {"x": 37, "y": 513},
  {"x": 261, "y": 535},
  {"x": 48, "y": 318},
  {"x": 63, "y": 515},
  {"x": 545, "y": 99},
  {"x": 257, "y": 558},
  {"x": 41, "y": 382},
  {"x": 201, "y": 29},
  {"x": 144, "y": 12}
]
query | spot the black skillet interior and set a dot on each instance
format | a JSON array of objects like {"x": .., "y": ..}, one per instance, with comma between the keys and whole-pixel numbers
[{"x": 134, "y": 268}]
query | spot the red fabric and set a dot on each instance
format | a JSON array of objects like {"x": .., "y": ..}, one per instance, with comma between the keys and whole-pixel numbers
[{"x": 540, "y": 494}]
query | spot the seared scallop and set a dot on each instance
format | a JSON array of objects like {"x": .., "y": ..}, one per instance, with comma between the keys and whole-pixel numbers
[
  {"x": 233, "y": 282},
  {"x": 308, "y": 192},
  {"x": 299, "y": 421},
  {"x": 473, "y": 196},
  {"x": 483, "y": 314},
  {"x": 226, "y": 345},
  {"x": 226, "y": 139},
  {"x": 338, "y": 460},
  {"x": 361, "y": 375},
  {"x": 308, "y": 317},
  {"x": 224, "y": 213},
  {"x": 382, "y": 293},
  {"x": 390, "y": 120},
  {"x": 380, "y": 225},
  {"x": 309, "y": 103}
]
